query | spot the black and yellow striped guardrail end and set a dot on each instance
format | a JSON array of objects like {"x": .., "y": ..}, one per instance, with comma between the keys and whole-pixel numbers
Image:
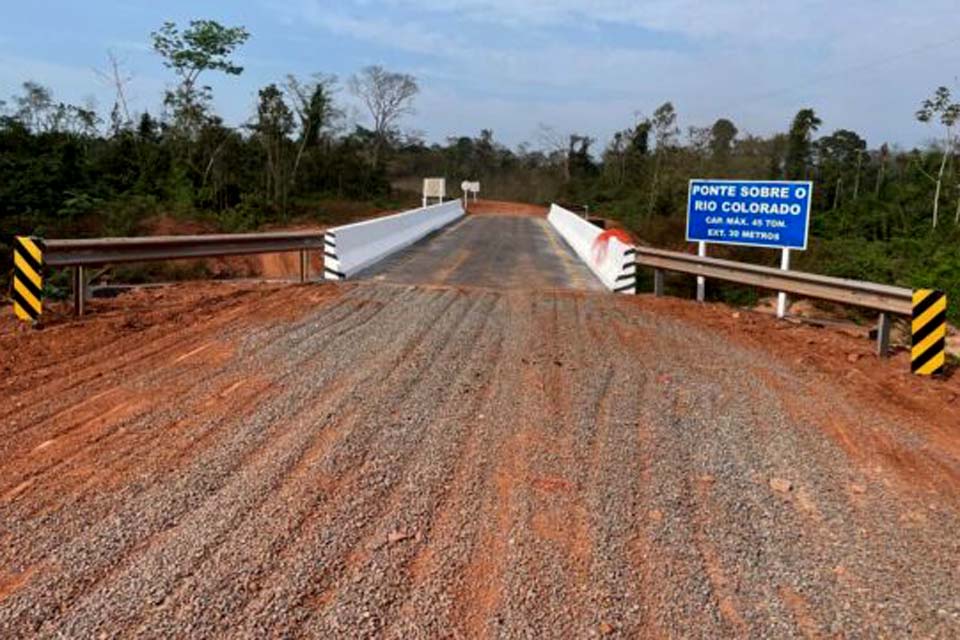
[
  {"x": 28, "y": 278},
  {"x": 929, "y": 329}
]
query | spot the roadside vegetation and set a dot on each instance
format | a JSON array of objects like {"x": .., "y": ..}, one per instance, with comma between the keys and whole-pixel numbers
[{"x": 881, "y": 212}]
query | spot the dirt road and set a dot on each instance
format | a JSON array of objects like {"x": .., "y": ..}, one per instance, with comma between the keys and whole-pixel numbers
[{"x": 398, "y": 461}]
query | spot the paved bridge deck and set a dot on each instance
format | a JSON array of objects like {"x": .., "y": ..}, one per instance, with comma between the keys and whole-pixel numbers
[{"x": 503, "y": 252}]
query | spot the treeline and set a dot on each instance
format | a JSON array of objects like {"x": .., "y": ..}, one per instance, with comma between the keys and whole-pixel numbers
[
  {"x": 881, "y": 213},
  {"x": 62, "y": 163}
]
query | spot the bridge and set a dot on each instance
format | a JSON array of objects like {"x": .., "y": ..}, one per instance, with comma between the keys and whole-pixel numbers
[{"x": 464, "y": 432}]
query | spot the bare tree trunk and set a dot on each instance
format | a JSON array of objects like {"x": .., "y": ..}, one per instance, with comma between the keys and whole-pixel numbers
[
  {"x": 836, "y": 194},
  {"x": 653, "y": 185},
  {"x": 936, "y": 196},
  {"x": 213, "y": 157},
  {"x": 296, "y": 162},
  {"x": 883, "y": 166},
  {"x": 856, "y": 182}
]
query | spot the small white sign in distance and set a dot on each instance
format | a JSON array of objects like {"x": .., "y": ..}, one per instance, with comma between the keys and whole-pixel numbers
[{"x": 434, "y": 187}]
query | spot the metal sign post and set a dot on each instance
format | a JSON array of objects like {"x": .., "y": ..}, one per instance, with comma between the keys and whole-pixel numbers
[
  {"x": 469, "y": 187},
  {"x": 782, "y": 296},
  {"x": 701, "y": 281}
]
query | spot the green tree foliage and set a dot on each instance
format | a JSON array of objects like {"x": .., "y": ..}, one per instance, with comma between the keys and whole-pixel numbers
[
  {"x": 205, "y": 45},
  {"x": 272, "y": 129},
  {"x": 840, "y": 160},
  {"x": 799, "y": 144},
  {"x": 722, "y": 134},
  {"x": 941, "y": 107}
]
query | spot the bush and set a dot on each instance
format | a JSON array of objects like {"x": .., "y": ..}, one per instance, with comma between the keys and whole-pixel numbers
[
  {"x": 122, "y": 216},
  {"x": 252, "y": 211}
]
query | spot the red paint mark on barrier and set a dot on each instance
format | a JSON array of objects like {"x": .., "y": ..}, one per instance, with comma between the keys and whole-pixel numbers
[{"x": 601, "y": 244}]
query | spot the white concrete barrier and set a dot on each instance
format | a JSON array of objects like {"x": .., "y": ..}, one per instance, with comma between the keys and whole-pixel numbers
[
  {"x": 610, "y": 259},
  {"x": 352, "y": 248}
]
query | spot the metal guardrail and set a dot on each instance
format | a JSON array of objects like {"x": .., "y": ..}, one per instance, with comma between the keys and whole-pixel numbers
[
  {"x": 81, "y": 254},
  {"x": 883, "y": 298}
]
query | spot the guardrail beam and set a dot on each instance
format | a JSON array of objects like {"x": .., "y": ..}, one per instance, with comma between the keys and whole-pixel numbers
[{"x": 853, "y": 292}]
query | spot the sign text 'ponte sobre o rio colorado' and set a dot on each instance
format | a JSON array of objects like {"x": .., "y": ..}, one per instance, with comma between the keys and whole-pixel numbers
[{"x": 773, "y": 213}]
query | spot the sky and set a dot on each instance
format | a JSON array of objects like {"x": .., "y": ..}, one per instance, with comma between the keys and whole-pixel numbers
[{"x": 591, "y": 67}]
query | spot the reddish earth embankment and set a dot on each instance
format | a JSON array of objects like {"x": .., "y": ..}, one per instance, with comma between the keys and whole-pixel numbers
[
  {"x": 404, "y": 461},
  {"x": 503, "y": 208}
]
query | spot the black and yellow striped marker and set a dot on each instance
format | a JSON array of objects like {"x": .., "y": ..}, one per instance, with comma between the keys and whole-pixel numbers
[
  {"x": 929, "y": 328},
  {"x": 27, "y": 278}
]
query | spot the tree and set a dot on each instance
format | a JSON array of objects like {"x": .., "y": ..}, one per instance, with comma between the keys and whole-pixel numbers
[
  {"x": 35, "y": 107},
  {"x": 116, "y": 77},
  {"x": 615, "y": 156},
  {"x": 578, "y": 155},
  {"x": 274, "y": 123},
  {"x": 799, "y": 144},
  {"x": 640, "y": 138},
  {"x": 722, "y": 134},
  {"x": 315, "y": 109},
  {"x": 839, "y": 155},
  {"x": 40, "y": 113},
  {"x": 556, "y": 144},
  {"x": 205, "y": 46},
  {"x": 665, "y": 131},
  {"x": 388, "y": 97},
  {"x": 941, "y": 107}
]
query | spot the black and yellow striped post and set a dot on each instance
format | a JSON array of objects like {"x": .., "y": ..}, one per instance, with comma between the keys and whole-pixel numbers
[
  {"x": 27, "y": 278},
  {"x": 929, "y": 328}
]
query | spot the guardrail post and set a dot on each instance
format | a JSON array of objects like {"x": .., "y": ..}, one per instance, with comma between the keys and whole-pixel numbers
[
  {"x": 883, "y": 335},
  {"x": 304, "y": 265},
  {"x": 658, "y": 282},
  {"x": 79, "y": 290}
]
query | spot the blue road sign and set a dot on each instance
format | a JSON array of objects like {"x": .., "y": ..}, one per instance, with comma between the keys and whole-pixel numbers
[{"x": 769, "y": 213}]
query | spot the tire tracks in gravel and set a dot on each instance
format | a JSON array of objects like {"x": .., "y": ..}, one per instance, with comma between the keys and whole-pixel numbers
[
  {"x": 168, "y": 386},
  {"x": 773, "y": 559},
  {"x": 87, "y": 367},
  {"x": 105, "y": 549},
  {"x": 377, "y": 568},
  {"x": 339, "y": 485},
  {"x": 258, "y": 473},
  {"x": 173, "y": 414},
  {"x": 380, "y": 445},
  {"x": 417, "y": 462}
]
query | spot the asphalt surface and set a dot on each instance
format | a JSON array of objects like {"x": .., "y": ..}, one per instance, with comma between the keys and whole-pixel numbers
[
  {"x": 503, "y": 252},
  {"x": 383, "y": 460}
]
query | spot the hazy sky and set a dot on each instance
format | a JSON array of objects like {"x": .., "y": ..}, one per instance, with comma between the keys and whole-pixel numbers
[{"x": 578, "y": 65}]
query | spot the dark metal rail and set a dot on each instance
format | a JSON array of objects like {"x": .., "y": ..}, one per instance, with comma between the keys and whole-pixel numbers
[{"x": 81, "y": 254}]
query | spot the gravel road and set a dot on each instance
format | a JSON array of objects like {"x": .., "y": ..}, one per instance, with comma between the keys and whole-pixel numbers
[{"x": 396, "y": 461}]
